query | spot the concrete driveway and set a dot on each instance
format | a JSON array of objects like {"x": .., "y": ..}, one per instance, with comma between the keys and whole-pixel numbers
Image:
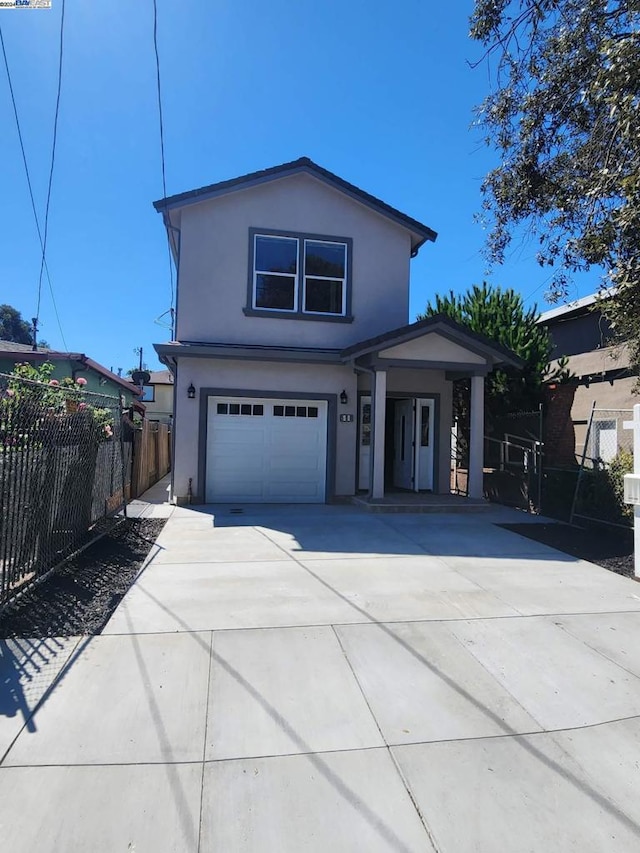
[{"x": 322, "y": 679}]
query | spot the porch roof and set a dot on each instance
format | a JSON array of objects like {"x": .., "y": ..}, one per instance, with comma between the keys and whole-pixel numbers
[
  {"x": 451, "y": 348},
  {"x": 441, "y": 326}
]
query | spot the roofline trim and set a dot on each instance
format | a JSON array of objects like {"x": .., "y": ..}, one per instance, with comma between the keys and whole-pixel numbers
[
  {"x": 301, "y": 166},
  {"x": 444, "y": 325}
]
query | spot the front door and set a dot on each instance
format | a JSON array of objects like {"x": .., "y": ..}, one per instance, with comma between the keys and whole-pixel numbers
[
  {"x": 424, "y": 445},
  {"x": 403, "y": 454},
  {"x": 412, "y": 462}
]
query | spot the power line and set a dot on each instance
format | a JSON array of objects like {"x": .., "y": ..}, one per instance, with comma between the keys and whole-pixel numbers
[
  {"x": 29, "y": 184},
  {"x": 164, "y": 177},
  {"x": 53, "y": 159}
]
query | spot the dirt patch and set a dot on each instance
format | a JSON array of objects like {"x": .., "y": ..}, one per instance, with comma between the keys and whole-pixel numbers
[
  {"x": 611, "y": 550},
  {"x": 79, "y": 598}
]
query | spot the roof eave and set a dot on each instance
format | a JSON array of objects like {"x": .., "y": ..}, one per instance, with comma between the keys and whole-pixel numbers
[
  {"x": 495, "y": 353},
  {"x": 302, "y": 166}
]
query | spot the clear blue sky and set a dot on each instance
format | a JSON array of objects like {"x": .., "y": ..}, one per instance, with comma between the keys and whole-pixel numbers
[{"x": 378, "y": 92}]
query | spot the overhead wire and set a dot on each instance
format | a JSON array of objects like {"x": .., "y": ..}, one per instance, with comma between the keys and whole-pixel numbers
[
  {"x": 53, "y": 160},
  {"x": 162, "y": 155},
  {"x": 30, "y": 185}
]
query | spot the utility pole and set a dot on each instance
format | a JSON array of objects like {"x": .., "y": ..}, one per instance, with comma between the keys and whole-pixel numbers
[
  {"x": 138, "y": 350},
  {"x": 34, "y": 323}
]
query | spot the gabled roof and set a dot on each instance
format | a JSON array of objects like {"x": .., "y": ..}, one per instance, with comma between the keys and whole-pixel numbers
[
  {"x": 25, "y": 352},
  {"x": 438, "y": 323},
  {"x": 303, "y": 165}
]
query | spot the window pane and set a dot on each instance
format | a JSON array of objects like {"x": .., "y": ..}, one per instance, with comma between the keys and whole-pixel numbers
[
  {"x": 289, "y": 411},
  {"x": 275, "y": 291},
  {"x": 327, "y": 259},
  {"x": 222, "y": 408},
  {"x": 148, "y": 393},
  {"x": 245, "y": 409},
  {"x": 275, "y": 254},
  {"x": 258, "y": 410},
  {"x": 424, "y": 438},
  {"x": 278, "y": 411},
  {"x": 312, "y": 411},
  {"x": 301, "y": 411},
  {"x": 234, "y": 409},
  {"x": 323, "y": 296}
]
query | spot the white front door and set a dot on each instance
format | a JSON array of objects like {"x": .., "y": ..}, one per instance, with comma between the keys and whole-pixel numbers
[
  {"x": 425, "y": 428},
  {"x": 403, "y": 455},
  {"x": 266, "y": 451}
]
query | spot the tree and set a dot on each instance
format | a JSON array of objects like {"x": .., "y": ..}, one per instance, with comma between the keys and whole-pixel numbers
[
  {"x": 13, "y": 327},
  {"x": 500, "y": 315},
  {"x": 564, "y": 118}
]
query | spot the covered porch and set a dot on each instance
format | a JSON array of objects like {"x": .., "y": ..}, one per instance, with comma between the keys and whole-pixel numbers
[{"x": 405, "y": 413}]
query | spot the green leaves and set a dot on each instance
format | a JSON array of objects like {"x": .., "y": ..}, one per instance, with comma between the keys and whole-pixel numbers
[
  {"x": 564, "y": 118},
  {"x": 500, "y": 315}
]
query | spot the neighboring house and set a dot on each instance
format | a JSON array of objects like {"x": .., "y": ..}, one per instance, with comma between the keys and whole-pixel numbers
[
  {"x": 157, "y": 395},
  {"x": 73, "y": 364},
  {"x": 600, "y": 375},
  {"x": 297, "y": 378}
]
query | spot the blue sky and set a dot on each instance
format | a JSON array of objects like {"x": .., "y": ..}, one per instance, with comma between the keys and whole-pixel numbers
[{"x": 379, "y": 93}]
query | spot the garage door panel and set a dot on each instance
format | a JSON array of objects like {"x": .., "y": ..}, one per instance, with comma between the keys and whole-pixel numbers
[
  {"x": 293, "y": 489},
  {"x": 225, "y": 488},
  {"x": 295, "y": 446},
  {"x": 278, "y": 456},
  {"x": 301, "y": 462},
  {"x": 228, "y": 464}
]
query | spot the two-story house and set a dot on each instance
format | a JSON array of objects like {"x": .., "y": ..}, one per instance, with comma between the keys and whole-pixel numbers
[{"x": 296, "y": 375}]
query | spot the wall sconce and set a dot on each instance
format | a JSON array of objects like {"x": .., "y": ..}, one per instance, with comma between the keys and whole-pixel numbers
[
  {"x": 191, "y": 392},
  {"x": 343, "y": 397}
]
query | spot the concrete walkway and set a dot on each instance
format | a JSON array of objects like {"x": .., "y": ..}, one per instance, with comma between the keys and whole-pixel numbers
[{"x": 322, "y": 679}]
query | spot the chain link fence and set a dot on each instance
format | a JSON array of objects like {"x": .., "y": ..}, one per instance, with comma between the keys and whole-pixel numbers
[
  {"x": 606, "y": 458},
  {"x": 62, "y": 469}
]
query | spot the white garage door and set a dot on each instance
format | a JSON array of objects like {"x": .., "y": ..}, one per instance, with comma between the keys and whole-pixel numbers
[{"x": 266, "y": 451}]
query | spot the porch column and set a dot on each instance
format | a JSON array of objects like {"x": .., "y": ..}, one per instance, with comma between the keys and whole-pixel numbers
[
  {"x": 476, "y": 438},
  {"x": 379, "y": 413}
]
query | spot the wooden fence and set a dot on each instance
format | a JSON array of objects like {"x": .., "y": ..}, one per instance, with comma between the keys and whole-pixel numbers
[{"x": 151, "y": 456}]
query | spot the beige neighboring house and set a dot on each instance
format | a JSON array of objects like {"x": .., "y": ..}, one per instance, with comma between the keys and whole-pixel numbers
[
  {"x": 297, "y": 375},
  {"x": 158, "y": 396},
  {"x": 600, "y": 376}
]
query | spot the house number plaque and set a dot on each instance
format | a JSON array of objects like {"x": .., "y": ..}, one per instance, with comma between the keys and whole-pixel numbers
[{"x": 346, "y": 419}]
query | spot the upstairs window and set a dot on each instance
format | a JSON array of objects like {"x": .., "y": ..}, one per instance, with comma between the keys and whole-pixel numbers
[
  {"x": 325, "y": 274},
  {"x": 300, "y": 275},
  {"x": 276, "y": 273}
]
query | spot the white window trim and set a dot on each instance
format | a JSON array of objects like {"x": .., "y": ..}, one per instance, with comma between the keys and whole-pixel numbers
[
  {"x": 295, "y": 276},
  {"x": 325, "y": 278},
  {"x": 300, "y": 277}
]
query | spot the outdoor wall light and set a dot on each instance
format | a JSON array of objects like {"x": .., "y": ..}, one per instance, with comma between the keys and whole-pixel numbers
[
  {"x": 191, "y": 392},
  {"x": 343, "y": 397}
]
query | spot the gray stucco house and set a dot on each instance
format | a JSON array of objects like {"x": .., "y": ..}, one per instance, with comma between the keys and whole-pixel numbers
[{"x": 297, "y": 375}]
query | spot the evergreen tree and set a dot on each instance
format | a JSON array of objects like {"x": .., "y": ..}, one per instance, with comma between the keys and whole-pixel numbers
[{"x": 501, "y": 316}]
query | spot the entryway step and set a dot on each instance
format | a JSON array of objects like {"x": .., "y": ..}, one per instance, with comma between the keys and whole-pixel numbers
[{"x": 421, "y": 503}]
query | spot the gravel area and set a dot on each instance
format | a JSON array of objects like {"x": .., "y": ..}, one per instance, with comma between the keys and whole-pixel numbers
[
  {"x": 79, "y": 598},
  {"x": 610, "y": 549}
]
